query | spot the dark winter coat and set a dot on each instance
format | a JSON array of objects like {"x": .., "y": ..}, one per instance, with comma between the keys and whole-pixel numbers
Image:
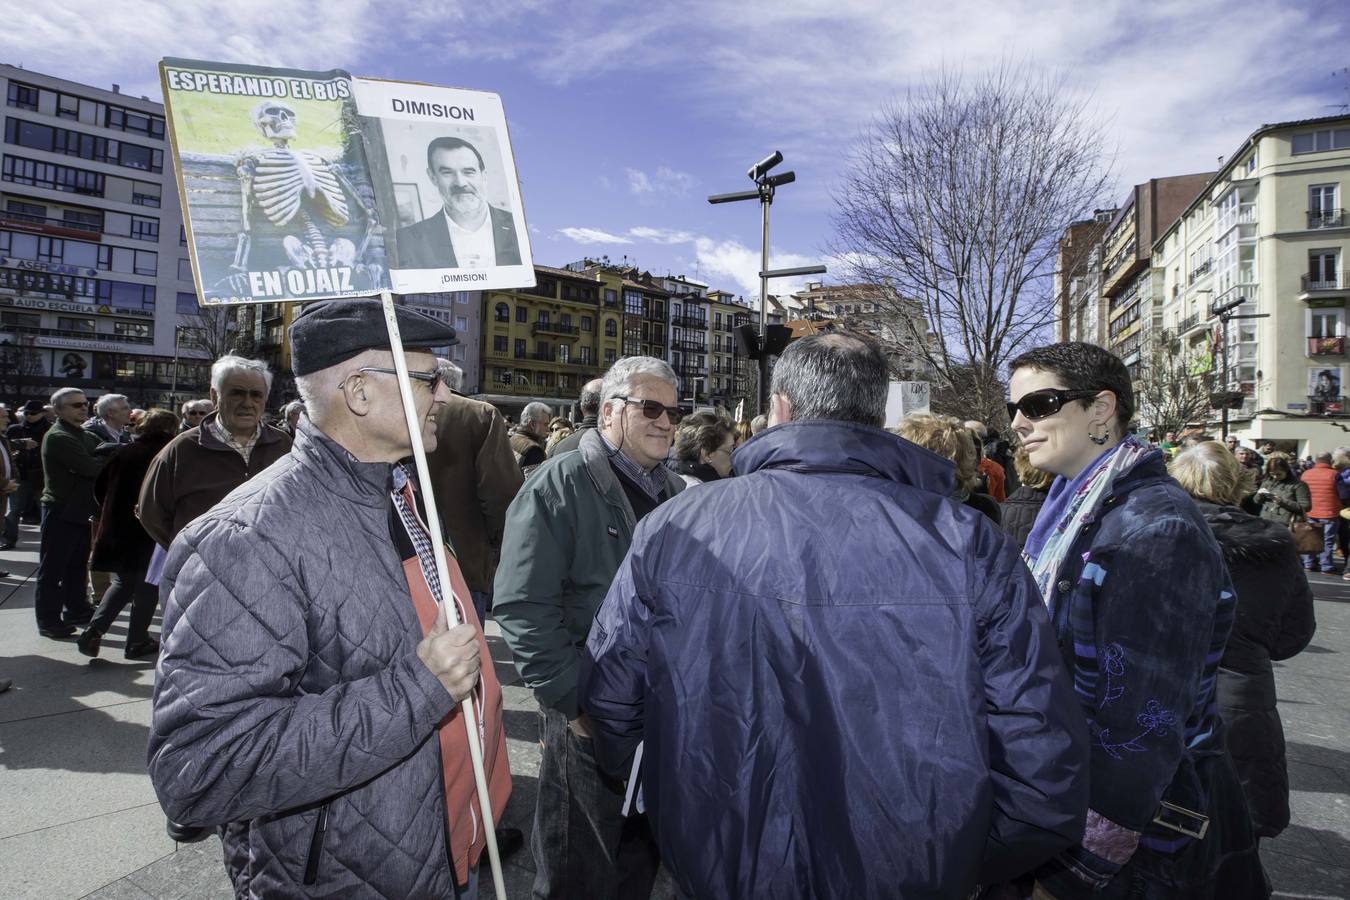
[
  {"x": 1142, "y": 606},
  {"x": 1274, "y": 622},
  {"x": 528, "y": 448},
  {"x": 845, "y": 680},
  {"x": 121, "y": 544},
  {"x": 1019, "y": 512}
]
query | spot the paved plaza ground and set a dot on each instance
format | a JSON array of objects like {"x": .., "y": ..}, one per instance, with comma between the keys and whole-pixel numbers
[{"x": 78, "y": 817}]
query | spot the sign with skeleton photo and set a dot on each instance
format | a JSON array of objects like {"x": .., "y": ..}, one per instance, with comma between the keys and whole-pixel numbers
[{"x": 289, "y": 194}]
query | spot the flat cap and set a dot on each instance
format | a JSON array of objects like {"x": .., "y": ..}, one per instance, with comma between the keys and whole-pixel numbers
[
  {"x": 33, "y": 407},
  {"x": 334, "y": 331}
]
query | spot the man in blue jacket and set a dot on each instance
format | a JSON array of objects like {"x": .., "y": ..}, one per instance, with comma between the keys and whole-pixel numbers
[{"x": 845, "y": 681}]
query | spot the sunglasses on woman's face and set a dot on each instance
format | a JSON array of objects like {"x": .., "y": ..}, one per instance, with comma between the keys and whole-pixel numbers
[
  {"x": 1046, "y": 402},
  {"x": 653, "y": 409}
]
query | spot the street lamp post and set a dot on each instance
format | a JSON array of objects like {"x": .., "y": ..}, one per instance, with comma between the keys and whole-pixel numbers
[
  {"x": 765, "y": 184},
  {"x": 1225, "y": 315}
]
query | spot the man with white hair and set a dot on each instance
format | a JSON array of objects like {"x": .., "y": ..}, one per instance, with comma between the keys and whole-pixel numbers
[
  {"x": 308, "y": 690},
  {"x": 203, "y": 464},
  {"x": 112, "y": 414},
  {"x": 566, "y": 533},
  {"x": 527, "y": 438}
]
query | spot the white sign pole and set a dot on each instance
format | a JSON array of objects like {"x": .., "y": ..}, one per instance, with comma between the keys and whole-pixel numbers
[{"x": 443, "y": 575}]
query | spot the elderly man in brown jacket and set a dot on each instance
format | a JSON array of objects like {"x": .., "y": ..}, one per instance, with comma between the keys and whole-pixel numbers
[
  {"x": 203, "y": 464},
  {"x": 475, "y": 478}
]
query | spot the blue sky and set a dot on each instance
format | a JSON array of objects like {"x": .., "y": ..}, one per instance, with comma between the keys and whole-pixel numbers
[{"x": 625, "y": 116}]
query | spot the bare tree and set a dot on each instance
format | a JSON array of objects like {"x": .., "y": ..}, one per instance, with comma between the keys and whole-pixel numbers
[
  {"x": 957, "y": 196},
  {"x": 204, "y": 336},
  {"x": 1174, "y": 385}
]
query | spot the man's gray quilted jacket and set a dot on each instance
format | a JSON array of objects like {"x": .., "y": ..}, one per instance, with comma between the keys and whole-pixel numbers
[{"x": 289, "y": 681}]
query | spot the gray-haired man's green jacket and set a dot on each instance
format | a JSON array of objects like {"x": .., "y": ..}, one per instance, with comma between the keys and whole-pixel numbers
[{"x": 566, "y": 533}]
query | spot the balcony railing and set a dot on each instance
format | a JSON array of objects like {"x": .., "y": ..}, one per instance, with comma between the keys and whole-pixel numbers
[
  {"x": 1201, "y": 270},
  {"x": 1335, "y": 281},
  {"x": 54, "y": 223},
  {"x": 1326, "y": 218},
  {"x": 1189, "y": 322},
  {"x": 554, "y": 328},
  {"x": 691, "y": 346},
  {"x": 1326, "y": 346},
  {"x": 685, "y": 370},
  {"x": 689, "y": 322}
]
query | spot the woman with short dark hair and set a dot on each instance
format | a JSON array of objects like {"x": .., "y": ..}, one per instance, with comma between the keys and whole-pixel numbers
[
  {"x": 702, "y": 450},
  {"x": 1137, "y": 591}
]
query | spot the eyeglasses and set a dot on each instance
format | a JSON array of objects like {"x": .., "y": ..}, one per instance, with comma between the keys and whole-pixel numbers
[
  {"x": 653, "y": 409},
  {"x": 427, "y": 378},
  {"x": 1047, "y": 402}
]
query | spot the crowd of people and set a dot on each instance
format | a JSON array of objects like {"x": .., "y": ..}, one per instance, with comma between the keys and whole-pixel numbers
[{"x": 805, "y": 655}]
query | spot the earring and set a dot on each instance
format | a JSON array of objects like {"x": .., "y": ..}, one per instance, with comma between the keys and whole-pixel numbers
[{"x": 1099, "y": 441}]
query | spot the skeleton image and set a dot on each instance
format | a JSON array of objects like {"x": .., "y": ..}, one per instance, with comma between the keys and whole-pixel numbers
[{"x": 296, "y": 188}]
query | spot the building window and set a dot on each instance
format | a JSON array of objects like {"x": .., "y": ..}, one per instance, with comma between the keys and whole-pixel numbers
[
  {"x": 458, "y": 352},
  {"x": 145, "y": 194},
  {"x": 520, "y": 348},
  {"x": 611, "y": 328},
  {"x": 543, "y": 316},
  {"x": 144, "y": 229},
  {"x": 499, "y": 343},
  {"x": 565, "y": 320},
  {"x": 461, "y": 323},
  {"x": 1322, "y": 211},
  {"x": 67, "y": 107},
  {"x": 85, "y": 220},
  {"x": 184, "y": 270},
  {"x": 501, "y": 313},
  {"x": 82, "y": 326},
  {"x": 23, "y": 96},
  {"x": 609, "y": 355},
  {"x": 1323, "y": 266},
  {"x": 1318, "y": 141},
  {"x": 121, "y": 119},
  {"x": 585, "y": 323},
  {"x": 53, "y": 177},
  {"x": 28, "y": 212},
  {"x": 584, "y": 355},
  {"x": 85, "y": 146},
  {"x": 522, "y": 314},
  {"x": 187, "y": 303},
  {"x": 182, "y": 235},
  {"x": 133, "y": 329}
]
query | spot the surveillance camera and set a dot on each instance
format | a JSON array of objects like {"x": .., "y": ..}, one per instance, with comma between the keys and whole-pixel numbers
[
  {"x": 764, "y": 165},
  {"x": 780, "y": 178}
]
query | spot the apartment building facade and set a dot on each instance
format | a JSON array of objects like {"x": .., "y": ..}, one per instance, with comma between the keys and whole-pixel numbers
[
  {"x": 95, "y": 284},
  {"x": 1270, "y": 234}
]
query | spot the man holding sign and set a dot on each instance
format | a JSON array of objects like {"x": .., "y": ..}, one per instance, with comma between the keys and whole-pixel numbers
[{"x": 307, "y": 696}]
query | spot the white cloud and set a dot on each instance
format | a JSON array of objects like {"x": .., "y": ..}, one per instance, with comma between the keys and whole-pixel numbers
[
  {"x": 663, "y": 181},
  {"x": 731, "y": 261},
  {"x": 660, "y": 235},
  {"x": 592, "y": 236}
]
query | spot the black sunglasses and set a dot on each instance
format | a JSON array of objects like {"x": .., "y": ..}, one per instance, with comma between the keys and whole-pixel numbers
[
  {"x": 652, "y": 409},
  {"x": 1046, "y": 402}
]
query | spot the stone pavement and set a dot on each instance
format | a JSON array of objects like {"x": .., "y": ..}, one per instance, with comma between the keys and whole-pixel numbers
[{"x": 78, "y": 817}]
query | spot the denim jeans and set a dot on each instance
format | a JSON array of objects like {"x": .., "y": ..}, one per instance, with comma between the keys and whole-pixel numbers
[
  {"x": 481, "y": 601},
  {"x": 62, "y": 573},
  {"x": 127, "y": 587},
  {"x": 1324, "y": 560},
  {"x": 582, "y": 844}
]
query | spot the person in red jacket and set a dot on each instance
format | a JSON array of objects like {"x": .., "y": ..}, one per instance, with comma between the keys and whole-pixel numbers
[{"x": 1325, "y": 512}]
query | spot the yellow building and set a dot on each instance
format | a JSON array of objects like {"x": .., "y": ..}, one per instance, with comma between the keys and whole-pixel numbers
[
  {"x": 728, "y": 375},
  {"x": 543, "y": 343}
]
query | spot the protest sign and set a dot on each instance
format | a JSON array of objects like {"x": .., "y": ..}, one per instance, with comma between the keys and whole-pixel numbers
[{"x": 303, "y": 185}]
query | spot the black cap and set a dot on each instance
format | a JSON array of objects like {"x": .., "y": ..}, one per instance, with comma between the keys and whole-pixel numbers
[
  {"x": 334, "y": 331},
  {"x": 34, "y": 406}
]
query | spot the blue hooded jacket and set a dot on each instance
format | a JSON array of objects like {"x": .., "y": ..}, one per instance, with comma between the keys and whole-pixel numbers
[{"x": 846, "y": 681}]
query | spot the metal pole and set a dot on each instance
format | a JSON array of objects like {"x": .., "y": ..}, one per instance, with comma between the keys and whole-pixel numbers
[
  {"x": 1223, "y": 349},
  {"x": 443, "y": 575},
  {"x": 173, "y": 385},
  {"x": 762, "y": 401}
]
